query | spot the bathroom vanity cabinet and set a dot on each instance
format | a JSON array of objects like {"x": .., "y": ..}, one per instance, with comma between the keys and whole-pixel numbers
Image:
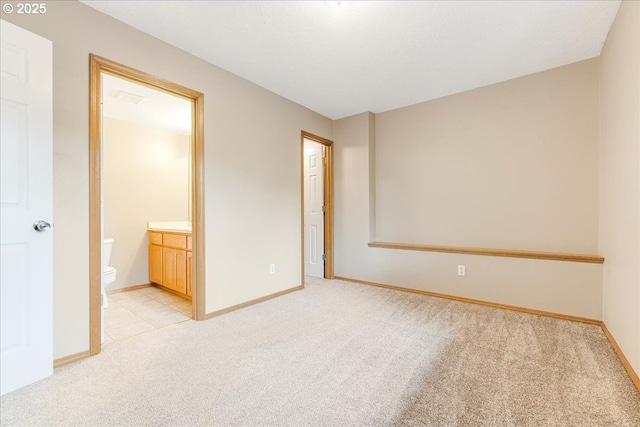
[{"x": 170, "y": 259}]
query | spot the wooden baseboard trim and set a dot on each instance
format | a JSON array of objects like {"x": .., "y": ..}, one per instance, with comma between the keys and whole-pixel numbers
[
  {"x": 172, "y": 291},
  {"x": 553, "y": 256},
  {"x": 627, "y": 366},
  {"x": 252, "y": 302},
  {"x": 478, "y": 302},
  {"x": 70, "y": 359},
  {"x": 128, "y": 288}
]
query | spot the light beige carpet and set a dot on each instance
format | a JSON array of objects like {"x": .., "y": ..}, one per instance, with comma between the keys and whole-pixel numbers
[{"x": 341, "y": 354}]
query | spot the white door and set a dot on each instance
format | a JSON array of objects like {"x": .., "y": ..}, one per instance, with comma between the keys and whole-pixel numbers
[
  {"x": 26, "y": 196},
  {"x": 313, "y": 208}
]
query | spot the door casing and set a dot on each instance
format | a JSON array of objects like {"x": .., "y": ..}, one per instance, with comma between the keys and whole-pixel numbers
[
  {"x": 328, "y": 197},
  {"x": 99, "y": 65}
]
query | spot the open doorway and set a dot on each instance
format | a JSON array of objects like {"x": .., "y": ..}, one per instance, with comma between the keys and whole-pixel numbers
[
  {"x": 317, "y": 206},
  {"x": 189, "y": 267},
  {"x": 146, "y": 208}
]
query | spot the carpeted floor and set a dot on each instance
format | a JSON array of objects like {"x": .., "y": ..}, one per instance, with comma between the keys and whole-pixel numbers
[{"x": 342, "y": 354}]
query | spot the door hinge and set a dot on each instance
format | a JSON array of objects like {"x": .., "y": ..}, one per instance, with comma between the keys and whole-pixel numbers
[
  {"x": 324, "y": 208},
  {"x": 324, "y": 257}
]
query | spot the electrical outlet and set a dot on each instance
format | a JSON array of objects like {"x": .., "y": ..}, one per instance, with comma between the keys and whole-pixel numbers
[
  {"x": 461, "y": 270},
  {"x": 272, "y": 268}
]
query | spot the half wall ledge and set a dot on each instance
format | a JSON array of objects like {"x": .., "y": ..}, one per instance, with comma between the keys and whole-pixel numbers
[{"x": 554, "y": 256}]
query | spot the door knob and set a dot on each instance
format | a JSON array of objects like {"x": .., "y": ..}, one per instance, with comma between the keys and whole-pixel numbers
[{"x": 41, "y": 225}]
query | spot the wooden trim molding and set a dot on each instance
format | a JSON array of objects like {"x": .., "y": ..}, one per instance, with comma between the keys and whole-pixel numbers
[
  {"x": 95, "y": 213},
  {"x": 252, "y": 302},
  {"x": 302, "y": 210},
  {"x": 197, "y": 199},
  {"x": 554, "y": 256},
  {"x": 97, "y": 66},
  {"x": 174, "y": 292},
  {"x": 625, "y": 362},
  {"x": 328, "y": 197},
  {"x": 478, "y": 302},
  {"x": 128, "y": 288},
  {"x": 70, "y": 359}
]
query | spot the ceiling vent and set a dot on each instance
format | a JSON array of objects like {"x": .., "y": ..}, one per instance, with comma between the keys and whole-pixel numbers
[
  {"x": 338, "y": 3},
  {"x": 129, "y": 98}
]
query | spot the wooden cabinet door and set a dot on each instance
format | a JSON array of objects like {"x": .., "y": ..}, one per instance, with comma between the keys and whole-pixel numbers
[
  {"x": 155, "y": 264},
  {"x": 189, "y": 264},
  {"x": 169, "y": 268},
  {"x": 181, "y": 271},
  {"x": 175, "y": 269}
]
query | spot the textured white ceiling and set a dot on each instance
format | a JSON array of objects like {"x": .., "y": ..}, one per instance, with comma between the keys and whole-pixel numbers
[{"x": 375, "y": 55}]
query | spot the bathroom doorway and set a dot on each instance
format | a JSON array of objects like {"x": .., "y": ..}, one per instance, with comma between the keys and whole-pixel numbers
[
  {"x": 145, "y": 193},
  {"x": 146, "y": 170}
]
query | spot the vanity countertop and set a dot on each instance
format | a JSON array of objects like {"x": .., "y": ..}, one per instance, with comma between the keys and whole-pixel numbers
[{"x": 175, "y": 226}]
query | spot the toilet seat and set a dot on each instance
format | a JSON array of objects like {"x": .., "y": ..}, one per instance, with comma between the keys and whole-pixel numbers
[{"x": 109, "y": 275}]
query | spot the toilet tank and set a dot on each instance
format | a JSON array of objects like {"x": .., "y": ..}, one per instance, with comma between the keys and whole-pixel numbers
[{"x": 106, "y": 252}]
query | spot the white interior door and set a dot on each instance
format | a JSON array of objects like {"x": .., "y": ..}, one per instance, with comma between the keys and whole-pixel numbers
[
  {"x": 313, "y": 209},
  {"x": 26, "y": 196}
]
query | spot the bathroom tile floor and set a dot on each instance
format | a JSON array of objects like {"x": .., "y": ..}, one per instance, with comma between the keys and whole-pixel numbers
[{"x": 142, "y": 310}]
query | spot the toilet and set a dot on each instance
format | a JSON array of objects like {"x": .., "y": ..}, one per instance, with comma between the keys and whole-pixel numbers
[{"x": 108, "y": 275}]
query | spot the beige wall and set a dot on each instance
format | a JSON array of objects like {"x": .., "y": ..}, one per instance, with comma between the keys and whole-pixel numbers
[
  {"x": 145, "y": 178},
  {"x": 252, "y": 166},
  {"x": 353, "y": 224},
  {"x": 620, "y": 180},
  {"x": 512, "y": 165}
]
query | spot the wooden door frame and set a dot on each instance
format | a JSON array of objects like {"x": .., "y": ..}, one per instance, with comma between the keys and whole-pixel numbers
[
  {"x": 99, "y": 65},
  {"x": 328, "y": 200}
]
